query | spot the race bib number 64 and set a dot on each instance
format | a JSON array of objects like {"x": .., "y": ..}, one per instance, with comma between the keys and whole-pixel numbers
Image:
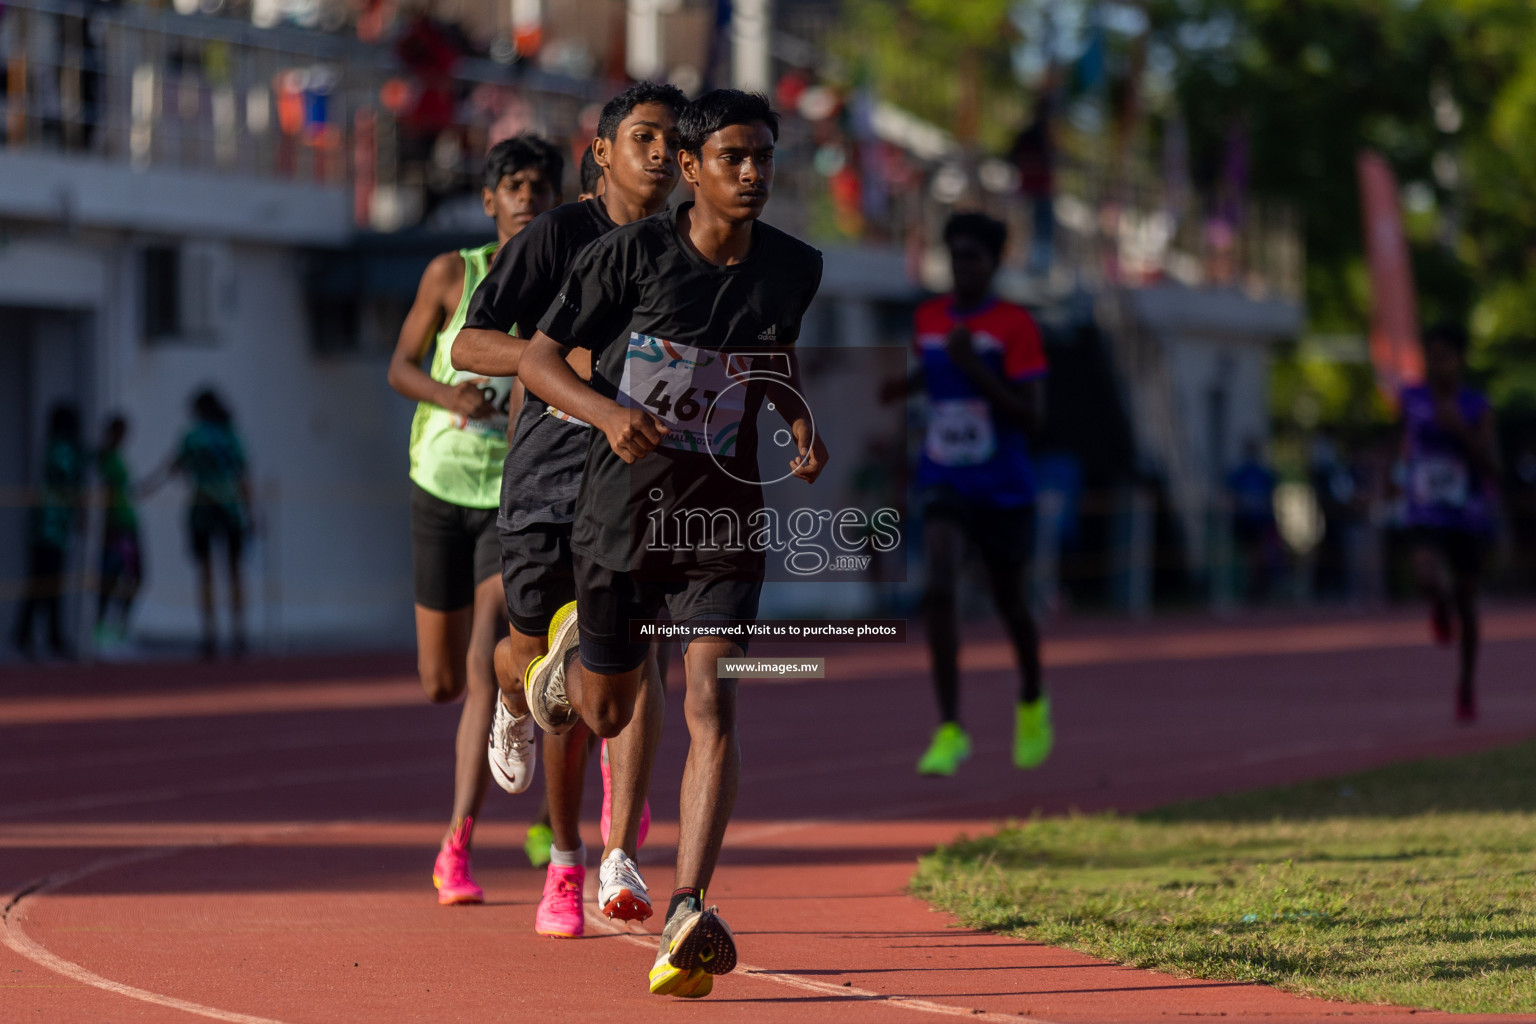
[
  {"x": 960, "y": 432},
  {"x": 693, "y": 391}
]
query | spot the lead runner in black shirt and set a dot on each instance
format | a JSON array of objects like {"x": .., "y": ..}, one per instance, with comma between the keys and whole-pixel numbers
[
  {"x": 691, "y": 316},
  {"x": 636, "y": 146}
]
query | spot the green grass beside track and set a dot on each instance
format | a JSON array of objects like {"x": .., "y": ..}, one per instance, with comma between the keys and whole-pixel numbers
[{"x": 1413, "y": 885}]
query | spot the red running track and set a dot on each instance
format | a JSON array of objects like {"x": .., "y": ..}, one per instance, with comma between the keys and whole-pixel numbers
[{"x": 254, "y": 842}]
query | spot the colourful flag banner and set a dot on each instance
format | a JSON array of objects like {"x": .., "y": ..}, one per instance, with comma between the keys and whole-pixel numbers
[{"x": 1395, "y": 351}]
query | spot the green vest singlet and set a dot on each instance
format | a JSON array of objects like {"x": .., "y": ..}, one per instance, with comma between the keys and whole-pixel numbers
[{"x": 454, "y": 458}]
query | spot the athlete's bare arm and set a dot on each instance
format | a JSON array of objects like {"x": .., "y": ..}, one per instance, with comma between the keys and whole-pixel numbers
[
  {"x": 438, "y": 294},
  {"x": 787, "y": 399},
  {"x": 631, "y": 433},
  {"x": 901, "y": 387},
  {"x": 1021, "y": 402},
  {"x": 492, "y": 353},
  {"x": 1478, "y": 439},
  {"x": 1487, "y": 448}
]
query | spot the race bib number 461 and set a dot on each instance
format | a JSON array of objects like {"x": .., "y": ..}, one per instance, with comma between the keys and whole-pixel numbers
[{"x": 698, "y": 393}]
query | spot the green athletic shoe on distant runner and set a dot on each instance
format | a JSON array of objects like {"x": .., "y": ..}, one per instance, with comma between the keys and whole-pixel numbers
[
  {"x": 951, "y": 745},
  {"x": 1033, "y": 734},
  {"x": 537, "y": 844}
]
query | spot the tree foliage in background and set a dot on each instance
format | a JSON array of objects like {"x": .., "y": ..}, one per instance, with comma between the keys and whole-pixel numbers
[
  {"x": 922, "y": 55},
  {"x": 1445, "y": 89}
]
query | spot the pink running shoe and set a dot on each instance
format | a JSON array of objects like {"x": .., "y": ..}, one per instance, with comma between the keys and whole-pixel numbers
[
  {"x": 451, "y": 872},
  {"x": 559, "y": 912},
  {"x": 607, "y": 815}
]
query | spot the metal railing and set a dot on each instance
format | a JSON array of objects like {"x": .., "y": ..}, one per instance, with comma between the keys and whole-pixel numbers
[{"x": 156, "y": 89}]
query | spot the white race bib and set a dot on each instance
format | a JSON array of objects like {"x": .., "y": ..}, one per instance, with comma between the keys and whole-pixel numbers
[
  {"x": 567, "y": 417},
  {"x": 691, "y": 390},
  {"x": 960, "y": 432},
  {"x": 497, "y": 392},
  {"x": 1439, "y": 480}
]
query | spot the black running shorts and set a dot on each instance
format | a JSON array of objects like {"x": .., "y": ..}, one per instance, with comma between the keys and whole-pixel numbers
[
  {"x": 1463, "y": 550},
  {"x": 1003, "y": 535},
  {"x": 536, "y": 573},
  {"x": 607, "y": 601},
  {"x": 206, "y": 521},
  {"x": 453, "y": 550}
]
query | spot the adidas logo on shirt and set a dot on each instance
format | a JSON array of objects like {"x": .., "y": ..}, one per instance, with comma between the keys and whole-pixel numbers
[{"x": 771, "y": 334}]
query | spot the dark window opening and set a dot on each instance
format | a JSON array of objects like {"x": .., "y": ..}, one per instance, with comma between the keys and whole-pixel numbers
[{"x": 162, "y": 292}]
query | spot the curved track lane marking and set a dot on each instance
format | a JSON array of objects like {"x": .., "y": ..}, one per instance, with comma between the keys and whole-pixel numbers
[
  {"x": 20, "y": 942},
  {"x": 826, "y": 988}
]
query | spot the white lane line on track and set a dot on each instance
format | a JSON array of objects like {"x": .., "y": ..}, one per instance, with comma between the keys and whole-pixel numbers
[
  {"x": 206, "y": 748},
  {"x": 17, "y": 940},
  {"x": 826, "y": 988},
  {"x": 248, "y": 784}
]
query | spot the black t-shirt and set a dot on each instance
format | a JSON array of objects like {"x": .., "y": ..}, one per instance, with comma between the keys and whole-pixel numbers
[
  {"x": 542, "y": 471},
  {"x": 661, "y": 322}
]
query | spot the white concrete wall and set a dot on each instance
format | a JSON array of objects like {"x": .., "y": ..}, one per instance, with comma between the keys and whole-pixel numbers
[
  {"x": 96, "y": 193},
  {"x": 326, "y": 436},
  {"x": 1207, "y": 340},
  {"x": 1239, "y": 371},
  {"x": 326, "y": 440}
]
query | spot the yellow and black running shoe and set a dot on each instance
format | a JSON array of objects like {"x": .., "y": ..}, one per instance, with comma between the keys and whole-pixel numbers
[{"x": 695, "y": 941}]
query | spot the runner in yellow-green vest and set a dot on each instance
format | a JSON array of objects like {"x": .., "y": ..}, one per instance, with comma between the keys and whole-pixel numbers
[{"x": 458, "y": 444}]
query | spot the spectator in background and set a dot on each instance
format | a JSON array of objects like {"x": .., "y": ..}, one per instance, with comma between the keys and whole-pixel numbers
[
  {"x": 1251, "y": 489},
  {"x": 1034, "y": 154},
  {"x": 212, "y": 459},
  {"x": 51, "y": 524},
  {"x": 1341, "y": 500},
  {"x": 122, "y": 567}
]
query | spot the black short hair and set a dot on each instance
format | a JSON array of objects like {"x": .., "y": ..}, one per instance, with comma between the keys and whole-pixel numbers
[
  {"x": 591, "y": 172},
  {"x": 989, "y": 231},
  {"x": 721, "y": 109},
  {"x": 622, "y": 105},
  {"x": 64, "y": 421},
  {"x": 1448, "y": 333},
  {"x": 209, "y": 407},
  {"x": 520, "y": 152}
]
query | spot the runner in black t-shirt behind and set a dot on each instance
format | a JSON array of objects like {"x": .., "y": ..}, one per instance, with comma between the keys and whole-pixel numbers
[
  {"x": 670, "y": 307},
  {"x": 636, "y": 147}
]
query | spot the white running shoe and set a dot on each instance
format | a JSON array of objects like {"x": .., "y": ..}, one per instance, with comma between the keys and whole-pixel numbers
[
  {"x": 511, "y": 750},
  {"x": 621, "y": 892}
]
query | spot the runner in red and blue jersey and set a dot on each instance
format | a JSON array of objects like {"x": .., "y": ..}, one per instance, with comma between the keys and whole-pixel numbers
[
  {"x": 983, "y": 367},
  {"x": 1450, "y": 462}
]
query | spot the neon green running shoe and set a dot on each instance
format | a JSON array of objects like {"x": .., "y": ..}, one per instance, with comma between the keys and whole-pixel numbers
[
  {"x": 537, "y": 844},
  {"x": 1033, "y": 734},
  {"x": 951, "y": 745}
]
